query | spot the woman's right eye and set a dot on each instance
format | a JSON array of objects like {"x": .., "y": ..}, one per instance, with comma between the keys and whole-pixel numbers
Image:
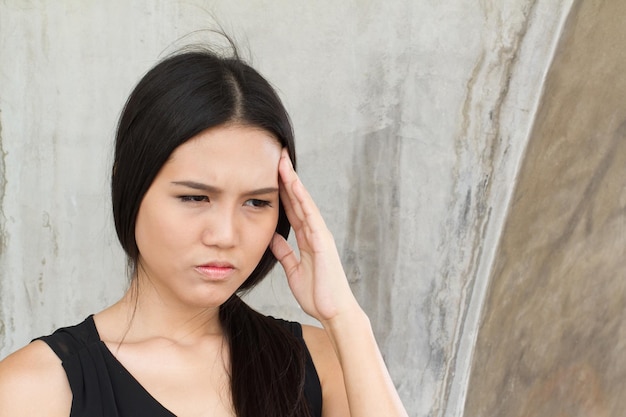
[{"x": 194, "y": 198}]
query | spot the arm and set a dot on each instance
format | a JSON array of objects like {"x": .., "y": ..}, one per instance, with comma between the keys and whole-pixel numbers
[
  {"x": 319, "y": 284},
  {"x": 33, "y": 383}
]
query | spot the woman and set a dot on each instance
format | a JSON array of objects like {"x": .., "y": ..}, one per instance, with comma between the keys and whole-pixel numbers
[{"x": 204, "y": 193}]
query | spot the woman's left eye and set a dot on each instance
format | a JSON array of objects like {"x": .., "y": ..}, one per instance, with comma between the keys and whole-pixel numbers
[
  {"x": 194, "y": 198},
  {"x": 257, "y": 203}
]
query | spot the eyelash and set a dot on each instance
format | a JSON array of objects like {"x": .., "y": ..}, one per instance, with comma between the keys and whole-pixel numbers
[
  {"x": 194, "y": 198},
  {"x": 254, "y": 202},
  {"x": 259, "y": 203}
]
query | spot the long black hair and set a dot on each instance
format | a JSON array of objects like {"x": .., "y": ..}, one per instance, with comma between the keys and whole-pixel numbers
[{"x": 180, "y": 97}]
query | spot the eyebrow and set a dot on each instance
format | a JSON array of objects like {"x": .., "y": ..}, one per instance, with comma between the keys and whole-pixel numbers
[{"x": 214, "y": 190}]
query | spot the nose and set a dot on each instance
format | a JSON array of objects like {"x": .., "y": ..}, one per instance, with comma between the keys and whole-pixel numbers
[{"x": 221, "y": 228}]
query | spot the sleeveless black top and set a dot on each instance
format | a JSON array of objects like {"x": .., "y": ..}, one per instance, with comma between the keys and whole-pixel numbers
[{"x": 102, "y": 387}]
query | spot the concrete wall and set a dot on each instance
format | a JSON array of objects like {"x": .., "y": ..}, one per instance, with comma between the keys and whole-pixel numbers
[{"x": 412, "y": 118}]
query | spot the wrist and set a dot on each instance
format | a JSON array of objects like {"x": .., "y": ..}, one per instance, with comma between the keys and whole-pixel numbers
[{"x": 349, "y": 321}]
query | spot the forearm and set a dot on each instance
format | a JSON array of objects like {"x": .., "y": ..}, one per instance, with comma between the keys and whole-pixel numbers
[{"x": 369, "y": 387}]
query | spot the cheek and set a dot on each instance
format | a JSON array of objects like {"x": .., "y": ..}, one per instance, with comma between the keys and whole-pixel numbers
[
  {"x": 157, "y": 231},
  {"x": 264, "y": 232}
]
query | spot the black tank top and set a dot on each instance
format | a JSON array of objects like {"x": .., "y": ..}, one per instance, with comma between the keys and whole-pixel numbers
[{"x": 102, "y": 387}]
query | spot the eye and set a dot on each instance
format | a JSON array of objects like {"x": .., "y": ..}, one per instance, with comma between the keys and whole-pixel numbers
[
  {"x": 194, "y": 198},
  {"x": 253, "y": 202}
]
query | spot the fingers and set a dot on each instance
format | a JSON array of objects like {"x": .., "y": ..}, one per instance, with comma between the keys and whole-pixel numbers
[
  {"x": 290, "y": 202},
  {"x": 285, "y": 254},
  {"x": 297, "y": 201}
]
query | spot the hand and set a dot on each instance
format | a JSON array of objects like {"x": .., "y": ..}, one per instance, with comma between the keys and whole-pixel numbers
[{"x": 317, "y": 279}]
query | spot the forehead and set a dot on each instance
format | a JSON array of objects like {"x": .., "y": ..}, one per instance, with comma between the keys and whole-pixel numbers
[{"x": 227, "y": 151}]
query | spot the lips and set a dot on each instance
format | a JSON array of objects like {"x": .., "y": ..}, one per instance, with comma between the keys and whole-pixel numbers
[{"x": 215, "y": 271}]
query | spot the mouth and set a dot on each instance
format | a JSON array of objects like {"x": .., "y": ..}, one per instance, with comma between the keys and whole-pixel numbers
[{"x": 215, "y": 271}]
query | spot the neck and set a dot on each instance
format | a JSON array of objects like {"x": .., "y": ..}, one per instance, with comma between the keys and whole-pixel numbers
[{"x": 140, "y": 315}]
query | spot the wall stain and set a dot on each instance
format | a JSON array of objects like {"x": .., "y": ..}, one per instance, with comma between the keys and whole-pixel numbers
[
  {"x": 479, "y": 142},
  {"x": 374, "y": 226},
  {"x": 372, "y": 239},
  {"x": 3, "y": 185},
  {"x": 3, "y": 235},
  {"x": 47, "y": 224}
]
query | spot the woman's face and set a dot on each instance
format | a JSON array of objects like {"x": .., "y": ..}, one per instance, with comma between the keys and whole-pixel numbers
[{"x": 209, "y": 216}]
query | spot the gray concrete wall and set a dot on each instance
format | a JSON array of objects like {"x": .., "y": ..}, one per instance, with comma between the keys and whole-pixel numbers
[{"x": 411, "y": 119}]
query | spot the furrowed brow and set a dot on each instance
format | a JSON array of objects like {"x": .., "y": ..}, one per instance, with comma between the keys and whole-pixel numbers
[
  {"x": 211, "y": 189},
  {"x": 197, "y": 186},
  {"x": 263, "y": 191}
]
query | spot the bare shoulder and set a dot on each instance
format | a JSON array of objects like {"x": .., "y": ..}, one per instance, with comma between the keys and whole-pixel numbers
[
  {"x": 319, "y": 345},
  {"x": 34, "y": 372},
  {"x": 328, "y": 368}
]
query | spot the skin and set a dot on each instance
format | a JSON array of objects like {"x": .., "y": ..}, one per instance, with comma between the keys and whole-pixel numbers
[
  {"x": 202, "y": 227},
  {"x": 319, "y": 283}
]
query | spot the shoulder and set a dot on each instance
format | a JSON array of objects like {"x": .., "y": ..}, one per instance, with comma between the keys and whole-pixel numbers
[
  {"x": 34, "y": 372},
  {"x": 320, "y": 347},
  {"x": 335, "y": 401}
]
